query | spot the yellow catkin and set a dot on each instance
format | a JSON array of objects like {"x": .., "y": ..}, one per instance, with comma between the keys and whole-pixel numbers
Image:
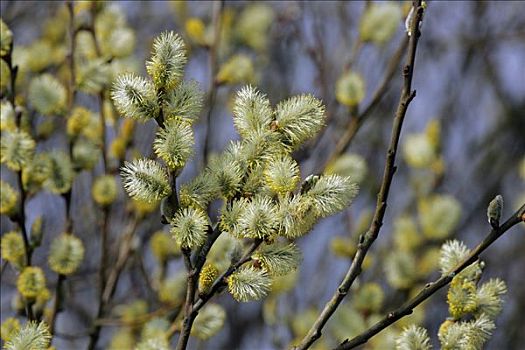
[
  {"x": 10, "y": 327},
  {"x": 206, "y": 278},
  {"x": 31, "y": 282},
  {"x": 8, "y": 199},
  {"x": 13, "y": 249}
]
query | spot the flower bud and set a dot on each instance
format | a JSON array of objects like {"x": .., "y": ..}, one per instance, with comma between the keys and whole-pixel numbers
[
  {"x": 31, "y": 282},
  {"x": 36, "y": 232},
  {"x": 206, "y": 278},
  {"x": 66, "y": 254},
  {"x": 104, "y": 190},
  {"x": 8, "y": 199},
  {"x": 494, "y": 211},
  {"x": 13, "y": 249}
]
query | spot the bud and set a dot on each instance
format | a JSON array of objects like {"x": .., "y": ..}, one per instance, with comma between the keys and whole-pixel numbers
[
  {"x": 380, "y": 22},
  {"x": 117, "y": 149},
  {"x": 208, "y": 322},
  {"x": 78, "y": 121},
  {"x": 494, "y": 211},
  {"x": 36, "y": 232},
  {"x": 196, "y": 30},
  {"x": 16, "y": 149},
  {"x": 238, "y": 69},
  {"x": 10, "y": 327},
  {"x": 350, "y": 89},
  {"x": 31, "y": 336},
  {"x": 248, "y": 284},
  {"x": 174, "y": 143},
  {"x": 146, "y": 180},
  {"x": 166, "y": 66},
  {"x": 47, "y": 95},
  {"x": 104, "y": 190},
  {"x": 206, "y": 278},
  {"x": 66, "y": 254},
  {"x": 189, "y": 228},
  {"x": 8, "y": 199},
  {"x": 31, "y": 282},
  {"x": 162, "y": 246},
  {"x": 7, "y": 39},
  {"x": 13, "y": 249}
]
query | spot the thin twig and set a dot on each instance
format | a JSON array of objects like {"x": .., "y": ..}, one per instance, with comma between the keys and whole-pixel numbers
[
  {"x": 112, "y": 280},
  {"x": 432, "y": 287},
  {"x": 212, "y": 63},
  {"x": 366, "y": 240},
  {"x": 103, "y": 251},
  {"x": 56, "y": 303},
  {"x": 357, "y": 121},
  {"x": 68, "y": 195},
  {"x": 125, "y": 248}
]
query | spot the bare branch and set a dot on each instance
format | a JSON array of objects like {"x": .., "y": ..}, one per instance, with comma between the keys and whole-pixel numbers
[
  {"x": 366, "y": 240},
  {"x": 432, "y": 287}
]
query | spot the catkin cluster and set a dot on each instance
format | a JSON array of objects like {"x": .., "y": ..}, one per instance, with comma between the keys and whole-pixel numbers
[{"x": 256, "y": 178}]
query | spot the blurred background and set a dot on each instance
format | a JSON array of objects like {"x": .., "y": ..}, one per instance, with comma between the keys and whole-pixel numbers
[{"x": 462, "y": 143}]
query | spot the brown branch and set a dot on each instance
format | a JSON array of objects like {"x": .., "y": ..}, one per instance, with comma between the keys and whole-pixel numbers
[
  {"x": 125, "y": 248},
  {"x": 432, "y": 287},
  {"x": 112, "y": 280},
  {"x": 194, "y": 271},
  {"x": 366, "y": 240},
  {"x": 56, "y": 303},
  {"x": 103, "y": 250},
  {"x": 193, "y": 308},
  {"x": 221, "y": 280},
  {"x": 212, "y": 63}
]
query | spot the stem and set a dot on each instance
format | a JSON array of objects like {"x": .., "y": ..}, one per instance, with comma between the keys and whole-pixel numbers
[
  {"x": 109, "y": 288},
  {"x": 221, "y": 280},
  {"x": 103, "y": 251},
  {"x": 71, "y": 55},
  {"x": 192, "y": 309},
  {"x": 212, "y": 63},
  {"x": 432, "y": 287},
  {"x": 358, "y": 120},
  {"x": 56, "y": 303},
  {"x": 366, "y": 240},
  {"x": 68, "y": 195},
  {"x": 20, "y": 217},
  {"x": 123, "y": 256}
]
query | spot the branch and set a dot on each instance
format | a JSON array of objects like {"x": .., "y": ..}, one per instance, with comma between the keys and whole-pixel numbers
[
  {"x": 357, "y": 121},
  {"x": 193, "y": 308},
  {"x": 20, "y": 218},
  {"x": 212, "y": 63},
  {"x": 366, "y": 240},
  {"x": 56, "y": 303},
  {"x": 68, "y": 195},
  {"x": 431, "y": 288},
  {"x": 125, "y": 248},
  {"x": 221, "y": 280}
]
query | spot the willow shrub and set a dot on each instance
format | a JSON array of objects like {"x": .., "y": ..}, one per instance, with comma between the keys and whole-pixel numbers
[{"x": 263, "y": 202}]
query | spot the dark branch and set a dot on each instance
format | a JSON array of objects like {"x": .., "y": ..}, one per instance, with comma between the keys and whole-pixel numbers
[
  {"x": 366, "y": 241},
  {"x": 431, "y": 288}
]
